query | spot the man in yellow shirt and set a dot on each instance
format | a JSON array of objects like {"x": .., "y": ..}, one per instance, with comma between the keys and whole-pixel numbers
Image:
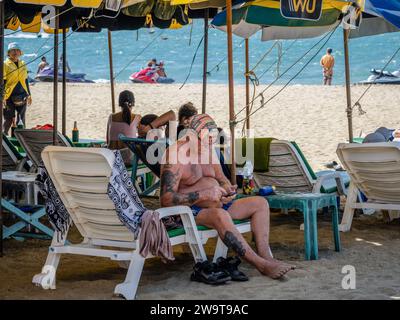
[
  {"x": 327, "y": 64},
  {"x": 16, "y": 87}
]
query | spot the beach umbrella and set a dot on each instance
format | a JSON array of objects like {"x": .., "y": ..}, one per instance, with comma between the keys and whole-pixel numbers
[
  {"x": 389, "y": 10},
  {"x": 372, "y": 25},
  {"x": 271, "y": 17}
]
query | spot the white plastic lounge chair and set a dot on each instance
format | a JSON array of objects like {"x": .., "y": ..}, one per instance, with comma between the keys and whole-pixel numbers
[
  {"x": 374, "y": 168},
  {"x": 289, "y": 171},
  {"x": 81, "y": 177}
]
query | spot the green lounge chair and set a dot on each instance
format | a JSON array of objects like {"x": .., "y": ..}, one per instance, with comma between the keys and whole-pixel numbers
[
  {"x": 34, "y": 141},
  {"x": 289, "y": 171}
]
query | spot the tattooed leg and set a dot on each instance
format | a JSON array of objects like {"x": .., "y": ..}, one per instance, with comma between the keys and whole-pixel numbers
[
  {"x": 221, "y": 221},
  {"x": 232, "y": 242}
]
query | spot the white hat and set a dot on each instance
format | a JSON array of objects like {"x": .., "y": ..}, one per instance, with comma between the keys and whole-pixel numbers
[{"x": 13, "y": 46}]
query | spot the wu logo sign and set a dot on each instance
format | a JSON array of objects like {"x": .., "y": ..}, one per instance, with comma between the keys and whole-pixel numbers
[{"x": 301, "y": 9}]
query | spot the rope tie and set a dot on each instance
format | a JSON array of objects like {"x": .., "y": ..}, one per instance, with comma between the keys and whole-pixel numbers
[{"x": 361, "y": 112}]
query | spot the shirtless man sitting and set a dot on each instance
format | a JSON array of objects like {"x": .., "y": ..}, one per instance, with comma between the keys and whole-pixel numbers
[{"x": 187, "y": 180}]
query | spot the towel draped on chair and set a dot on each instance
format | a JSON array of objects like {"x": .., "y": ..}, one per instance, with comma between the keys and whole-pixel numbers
[
  {"x": 132, "y": 213},
  {"x": 130, "y": 210}
]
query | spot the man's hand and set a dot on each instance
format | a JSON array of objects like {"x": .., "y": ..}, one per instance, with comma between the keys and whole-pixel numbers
[
  {"x": 29, "y": 100},
  {"x": 213, "y": 194},
  {"x": 396, "y": 134}
]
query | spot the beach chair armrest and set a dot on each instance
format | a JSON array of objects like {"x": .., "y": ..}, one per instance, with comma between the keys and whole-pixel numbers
[
  {"x": 21, "y": 164},
  {"x": 173, "y": 211},
  {"x": 334, "y": 175}
]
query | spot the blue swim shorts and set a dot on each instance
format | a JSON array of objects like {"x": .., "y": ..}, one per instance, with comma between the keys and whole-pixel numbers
[{"x": 197, "y": 209}]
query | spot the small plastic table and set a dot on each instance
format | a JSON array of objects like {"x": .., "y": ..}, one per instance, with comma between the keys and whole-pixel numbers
[
  {"x": 309, "y": 203},
  {"x": 28, "y": 211}
]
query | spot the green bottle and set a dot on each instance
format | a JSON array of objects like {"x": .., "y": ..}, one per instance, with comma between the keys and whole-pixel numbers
[{"x": 75, "y": 133}]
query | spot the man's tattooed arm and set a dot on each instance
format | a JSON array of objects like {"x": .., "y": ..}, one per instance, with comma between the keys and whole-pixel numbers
[{"x": 170, "y": 178}]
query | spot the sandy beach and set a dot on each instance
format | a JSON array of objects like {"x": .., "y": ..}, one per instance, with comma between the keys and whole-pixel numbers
[{"x": 313, "y": 116}]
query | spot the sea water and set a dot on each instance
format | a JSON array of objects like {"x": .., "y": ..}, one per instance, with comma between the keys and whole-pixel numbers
[{"x": 88, "y": 53}]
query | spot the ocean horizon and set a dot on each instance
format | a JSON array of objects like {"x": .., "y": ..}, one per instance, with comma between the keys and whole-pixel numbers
[{"x": 88, "y": 53}]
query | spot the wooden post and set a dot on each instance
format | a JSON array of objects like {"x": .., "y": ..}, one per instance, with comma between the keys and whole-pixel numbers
[
  {"x": 1, "y": 115},
  {"x": 349, "y": 109},
  {"x": 231, "y": 88},
  {"x": 246, "y": 42},
  {"x": 204, "y": 97},
  {"x": 64, "y": 84},
  {"x": 55, "y": 81},
  {"x": 110, "y": 57}
]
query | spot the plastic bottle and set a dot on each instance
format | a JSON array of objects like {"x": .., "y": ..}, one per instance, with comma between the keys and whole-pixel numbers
[
  {"x": 248, "y": 181},
  {"x": 75, "y": 133}
]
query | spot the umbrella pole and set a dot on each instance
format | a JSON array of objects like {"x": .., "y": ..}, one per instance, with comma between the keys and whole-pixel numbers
[
  {"x": 231, "y": 88},
  {"x": 110, "y": 57},
  {"x": 1, "y": 115},
  {"x": 64, "y": 84},
  {"x": 55, "y": 81},
  {"x": 204, "y": 97},
  {"x": 246, "y": 42},
  {"x": 349, "y": 109}
]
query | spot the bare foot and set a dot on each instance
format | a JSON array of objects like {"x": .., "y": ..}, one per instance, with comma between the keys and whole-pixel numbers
[{"x": 274, "y": 269}]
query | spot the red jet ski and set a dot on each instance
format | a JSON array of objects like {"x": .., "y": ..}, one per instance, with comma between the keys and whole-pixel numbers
[{"x": 149, "y": 75}]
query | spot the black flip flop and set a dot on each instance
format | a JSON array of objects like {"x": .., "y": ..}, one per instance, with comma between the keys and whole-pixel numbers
[
  {"x": 230, "y": 265},
  {"x": 209, "y": 273}
]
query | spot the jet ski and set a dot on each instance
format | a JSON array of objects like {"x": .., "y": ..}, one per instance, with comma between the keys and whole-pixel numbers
[
  {"x": 148, "y": 75},
  {"x": 382, "y": 77},
  {"x": 47, "y": 75}
]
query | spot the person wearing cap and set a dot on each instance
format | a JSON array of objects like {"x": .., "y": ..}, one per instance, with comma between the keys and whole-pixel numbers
[
  {"x": 327, "y": 63},
  {"x": 191, "y": 175},
  {"x": 17, "y": 94}
]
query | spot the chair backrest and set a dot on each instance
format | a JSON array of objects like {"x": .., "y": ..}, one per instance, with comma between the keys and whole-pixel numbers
[
  {"x": 34, "y": 141},
  {"x": 81, "y": 177},
  {"x": 287, "y": 169},
  {"x": 10, "y": 155},
  {"x": 140, "y": 146},
  {"x": 374, "y": 168}
]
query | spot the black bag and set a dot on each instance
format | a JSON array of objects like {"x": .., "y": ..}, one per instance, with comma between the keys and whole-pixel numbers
[{"x": 18, "y": 100}]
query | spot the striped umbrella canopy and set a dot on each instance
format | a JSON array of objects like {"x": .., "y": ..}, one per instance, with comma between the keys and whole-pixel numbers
[
  {"x": 94, "y": 15},
  {"x": 284, "y": 19},
  {"x": 389, "y": 10}
]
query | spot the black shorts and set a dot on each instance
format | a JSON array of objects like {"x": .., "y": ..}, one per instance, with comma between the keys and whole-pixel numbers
[{"x": 10, "y": 109}]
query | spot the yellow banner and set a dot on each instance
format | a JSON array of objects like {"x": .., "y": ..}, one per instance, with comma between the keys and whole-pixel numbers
[
  {"x": 43, "y": 2},
  {"x": 13, "y": 24},
  {"x": 75, "y": 3},
  {"x": 34, "y": 26},
  {"x": 86, "y": 3},
  {"x": 177, "y": 2}
]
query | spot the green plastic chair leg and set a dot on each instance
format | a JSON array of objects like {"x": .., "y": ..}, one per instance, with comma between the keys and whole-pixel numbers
[
  {"x": 335, "y": 228},
  {"x": 307, "y": 237},
  {"x": 314, "y": 231}
]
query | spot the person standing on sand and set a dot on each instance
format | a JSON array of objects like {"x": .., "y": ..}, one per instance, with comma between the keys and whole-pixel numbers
[
  {"x": 17, "y": 95},
  {"x": 327, "y": 64}
]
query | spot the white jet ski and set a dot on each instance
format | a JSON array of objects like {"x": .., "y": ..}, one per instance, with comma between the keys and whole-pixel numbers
[{"x": 382, "y": 77}]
